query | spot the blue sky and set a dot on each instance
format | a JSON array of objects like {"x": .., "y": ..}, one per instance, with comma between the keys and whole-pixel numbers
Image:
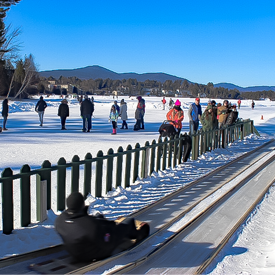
[{"x": 202, "y": 41}]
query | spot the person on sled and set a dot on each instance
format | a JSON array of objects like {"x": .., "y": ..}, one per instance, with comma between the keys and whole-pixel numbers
[
  {"x": 175, "y": 116},
  {"x": 88, "y": 238}
]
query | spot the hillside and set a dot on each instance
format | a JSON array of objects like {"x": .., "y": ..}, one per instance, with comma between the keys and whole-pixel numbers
[
  {"x": 94, "y": 72},
  {"x": 230, "y": 86}
]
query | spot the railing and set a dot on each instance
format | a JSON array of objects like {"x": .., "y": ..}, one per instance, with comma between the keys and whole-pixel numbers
[
  {"x": 108, "y": 171},
  {"x": 217, "y": 138}
]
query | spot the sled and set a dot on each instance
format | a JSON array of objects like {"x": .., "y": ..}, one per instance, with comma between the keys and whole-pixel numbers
[
  {"x": 143, "y": 229},
  {"x": 64, "y": 263},
  {"x": 166, "y": 129}
]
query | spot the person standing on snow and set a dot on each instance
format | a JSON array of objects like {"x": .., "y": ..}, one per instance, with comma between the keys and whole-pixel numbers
[
  {"x": 194, "y": 114},
  {"x": 139, "y": 114},
  {"x": 89, "y": 238},
  {"x": 223, "y": 112},
  {"x": 175, "y": 116},
  {"x": 171, "y": 103},
  {"x": 163, "y": 102},
  {"x": 239, "y": 104},
  {"x": 86, "y": 111},
  {"x": 113, "y": 118},
  {"x": 123, "y": 114},
  {"x": 208, "y": 119},
  {"x": 5, "y": 111},
  {"x": 40, "y": 109},
  {"x": 63, "y": 112}
]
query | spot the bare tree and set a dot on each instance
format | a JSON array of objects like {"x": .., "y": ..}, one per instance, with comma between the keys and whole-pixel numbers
[
  {"x": 11, "y": 47},
  {"x": 29, "y": 72}
]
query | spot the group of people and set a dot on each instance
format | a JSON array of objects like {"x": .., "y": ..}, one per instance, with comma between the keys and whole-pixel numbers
[
  {"x": 213, "y": 117},
  {"x": 175, "y": 116},
  {"x": 218, "y": 116},
  {"x": 121, "y": 111},
  {"x": 86, "y": 112}
]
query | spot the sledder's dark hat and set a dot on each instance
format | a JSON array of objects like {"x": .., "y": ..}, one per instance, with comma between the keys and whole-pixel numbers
[{"x": 75, "y": 202}]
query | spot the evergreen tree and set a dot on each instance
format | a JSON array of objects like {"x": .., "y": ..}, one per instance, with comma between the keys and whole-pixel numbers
[{"x": 4, "y": 79}]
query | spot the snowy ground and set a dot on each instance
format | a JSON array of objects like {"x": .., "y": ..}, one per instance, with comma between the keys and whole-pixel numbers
[{"x": 250, "y": 250}]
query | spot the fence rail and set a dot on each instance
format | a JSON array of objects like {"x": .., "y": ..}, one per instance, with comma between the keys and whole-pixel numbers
[{"x": 110, "y": 170}]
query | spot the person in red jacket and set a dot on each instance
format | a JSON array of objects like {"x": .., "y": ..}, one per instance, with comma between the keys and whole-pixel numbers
[
  {"x": 239, "y": 104},
  {"x": 176, "y": 116},
  {"x": 163, "y": 102}
]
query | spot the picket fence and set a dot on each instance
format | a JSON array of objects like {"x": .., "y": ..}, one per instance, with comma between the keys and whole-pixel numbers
[{"x": 105, "y": 172}]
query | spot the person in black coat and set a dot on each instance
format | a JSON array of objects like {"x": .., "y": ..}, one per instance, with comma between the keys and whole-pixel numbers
[
  {"x": 63, "y": 112},
  {"x": 5, "y": 111},
  {"x": 86, "y": 111},
  {"x": 89, "y": 238},
  {"x": 40, "y": 108}
]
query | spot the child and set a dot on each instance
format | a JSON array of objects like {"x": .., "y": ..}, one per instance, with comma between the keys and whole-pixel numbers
[{"x": 113, "y": 118}]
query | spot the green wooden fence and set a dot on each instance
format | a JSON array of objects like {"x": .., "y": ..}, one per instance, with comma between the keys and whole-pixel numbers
[{"x": 98, "y": 172}]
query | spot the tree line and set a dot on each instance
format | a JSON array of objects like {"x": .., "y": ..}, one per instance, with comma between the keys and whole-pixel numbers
[{"x": 133, "y": 87}]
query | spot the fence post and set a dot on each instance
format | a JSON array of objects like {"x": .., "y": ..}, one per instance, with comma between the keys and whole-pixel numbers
[
  {"x": 61, "y": 184},
  {"x": 109, "y": 171},
  {"x": 87, "y": 174},
  {"x": 203, "y": 137},
  {"x": 216, "y": 138},
  {"x": 98, "y": 176},
  {"x": 7, "y": 201},
  {"x": 136, "y": 162},
  {"x": 75, "y": 174},
  {"x": 164, "y": 154},
  {"x": 128, "y": 166},
  {"x": 193, "y": 147},
  {"x": 119, "y": 166},
  {"x": 41, "y": 199},
  {"x": 46, "y": 175},
  {"x": 170, "y": 151},
  {"x": 153, "y": 157},
  {"x": 176, "y": 151},
  {"x": 159, "y": 150},
  {"x": 25, "y": 196},
  {"x": 180, "y": 149},
  {"x": 145, "y": 161}
]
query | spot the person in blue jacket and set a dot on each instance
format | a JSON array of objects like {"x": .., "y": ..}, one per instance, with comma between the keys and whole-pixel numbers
[{"x": 194, "y": 114}]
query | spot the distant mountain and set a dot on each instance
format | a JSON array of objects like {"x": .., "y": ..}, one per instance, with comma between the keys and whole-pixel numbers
[
  {"x": 246, "y": 89},
  {"x": 94, "y": 72}
]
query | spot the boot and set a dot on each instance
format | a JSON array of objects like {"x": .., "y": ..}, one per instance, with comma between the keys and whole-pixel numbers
[{"x": 114, "y": 132}]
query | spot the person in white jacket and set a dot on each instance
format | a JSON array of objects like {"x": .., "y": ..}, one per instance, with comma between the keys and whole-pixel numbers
[{"x": 123, "y": 114}]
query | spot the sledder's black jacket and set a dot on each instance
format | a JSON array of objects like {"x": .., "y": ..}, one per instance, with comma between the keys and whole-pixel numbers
[{"x": 87, "y": 237}]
